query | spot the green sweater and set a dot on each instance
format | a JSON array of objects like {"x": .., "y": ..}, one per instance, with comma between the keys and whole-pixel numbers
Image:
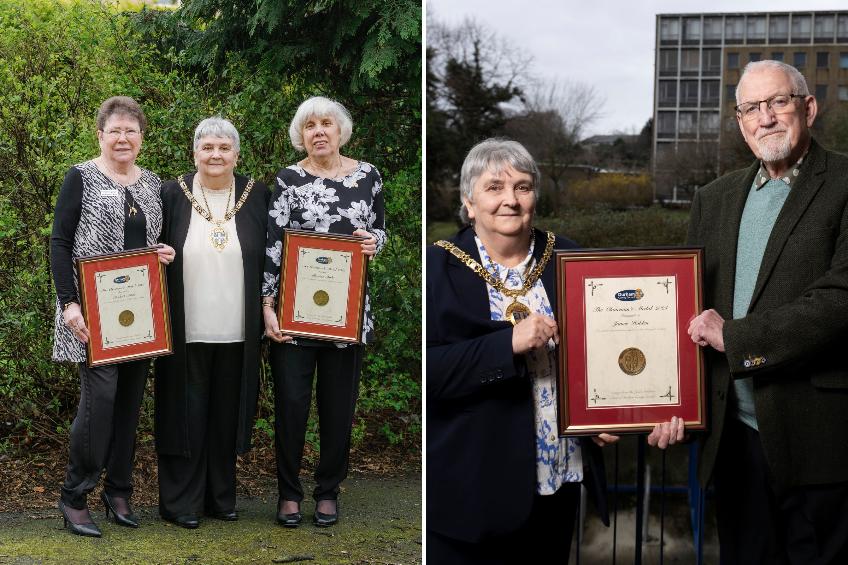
[{"x": 761, "y": 210}]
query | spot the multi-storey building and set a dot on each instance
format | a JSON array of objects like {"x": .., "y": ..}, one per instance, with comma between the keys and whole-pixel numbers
[{"x": 699, "y": 58}]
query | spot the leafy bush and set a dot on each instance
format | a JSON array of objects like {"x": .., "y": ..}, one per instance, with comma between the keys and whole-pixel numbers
[
  {"x": 61, "y": 60},
  {"x": 644, "y": 227},
  {"x": 612, "y": 190}
]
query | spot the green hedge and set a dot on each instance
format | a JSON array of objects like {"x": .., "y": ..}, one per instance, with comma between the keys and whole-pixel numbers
[{"x": 60, "y": 60}]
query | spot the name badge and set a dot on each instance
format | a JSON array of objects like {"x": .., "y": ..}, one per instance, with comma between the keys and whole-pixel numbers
[{"x": 108, "y": 192}]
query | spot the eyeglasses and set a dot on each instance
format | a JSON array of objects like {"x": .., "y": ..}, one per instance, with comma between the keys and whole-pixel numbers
[
  {"x": 128, "y": 133},
  {"x": 779, "y": 104}
]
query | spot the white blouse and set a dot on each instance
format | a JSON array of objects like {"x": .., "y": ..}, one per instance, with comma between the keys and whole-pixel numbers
[
  {"x": 213, "y": 280},
  {"x": 558, "y": 459}
]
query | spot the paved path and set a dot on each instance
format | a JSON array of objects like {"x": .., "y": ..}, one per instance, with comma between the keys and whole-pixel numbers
[{"x": 380, "y": 523}]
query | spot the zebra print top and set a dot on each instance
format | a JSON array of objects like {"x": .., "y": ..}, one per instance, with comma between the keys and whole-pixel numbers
[{"x": 100, "y": 227}]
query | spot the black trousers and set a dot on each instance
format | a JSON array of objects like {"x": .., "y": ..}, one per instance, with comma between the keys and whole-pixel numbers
[
  {"x": 205, "y": 482},
  {"x": 103, "y": 431},
  {"x": 805, "y": 525},
  {"x": 545, "y": 538},
  {"x": 337, "y": 388}
]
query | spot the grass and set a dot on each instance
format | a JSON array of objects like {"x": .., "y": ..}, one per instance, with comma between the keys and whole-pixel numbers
[
  {"x": 380, "y": 522},
  {"x": 642, "y": 227}
]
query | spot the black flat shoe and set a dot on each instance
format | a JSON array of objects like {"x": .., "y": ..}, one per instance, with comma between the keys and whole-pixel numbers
[
  {"x": 188, "y": 522},
  {"x": 289, "y": 520},
  {"x": 127, "y": 520},
  {"x": 89, "y": 529},
  {"x": 326, "y": 520},
  {"x": 230, "y": 516},
  {"x": 292, "y": 520}
]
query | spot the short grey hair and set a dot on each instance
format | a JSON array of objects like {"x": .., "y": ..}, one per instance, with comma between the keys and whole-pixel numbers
[
  {"x": 494, "y": 154},
  {"x": 799, "y": 83},
  {"x": 216, "y": 126},
  {"x": 319, "y": 106}
]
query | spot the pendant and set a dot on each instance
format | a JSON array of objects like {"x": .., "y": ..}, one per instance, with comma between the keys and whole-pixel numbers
[
  {"x": 133, "y": 211},
  {"x": 219, "y": 237},
  {"x": 516, "y": 312}
]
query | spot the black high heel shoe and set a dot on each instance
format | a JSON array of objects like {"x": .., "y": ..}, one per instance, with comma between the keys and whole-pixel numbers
[
  {"x": 88, "y": 529},
  {"x": 127, "y": 520}
]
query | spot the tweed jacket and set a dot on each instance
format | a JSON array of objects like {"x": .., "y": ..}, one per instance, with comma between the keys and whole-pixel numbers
[
  {"x": 791, "y": 340},
  {"x": 481, "y": 458}
]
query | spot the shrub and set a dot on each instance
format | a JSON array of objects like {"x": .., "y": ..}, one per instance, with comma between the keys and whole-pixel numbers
[{"x": 612, "y": 190}]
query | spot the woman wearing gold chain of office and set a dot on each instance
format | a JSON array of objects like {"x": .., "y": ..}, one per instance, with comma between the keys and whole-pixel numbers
[{"x": 206, "y": 391}]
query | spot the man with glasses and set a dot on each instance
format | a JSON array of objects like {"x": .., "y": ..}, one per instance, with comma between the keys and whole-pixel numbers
[{"x": 776, "y": 288}]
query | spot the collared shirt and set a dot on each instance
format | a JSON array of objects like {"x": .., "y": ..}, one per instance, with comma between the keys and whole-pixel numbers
[
  {"x": 790, "y": 177},
  {"x": 558, "y": 460}
]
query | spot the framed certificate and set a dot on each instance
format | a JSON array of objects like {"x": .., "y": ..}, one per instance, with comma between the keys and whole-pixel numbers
[
  {"x": 124, "y": 299},
  {"x": 322, "y": 286},
  {"x": 626, "y": 361}
]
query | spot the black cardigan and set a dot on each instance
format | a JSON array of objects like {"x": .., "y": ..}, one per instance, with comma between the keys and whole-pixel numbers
[{"x": 170, "y": 420}]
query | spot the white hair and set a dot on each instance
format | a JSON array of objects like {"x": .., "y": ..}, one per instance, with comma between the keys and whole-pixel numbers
[
  {"x": 799, "y": 83},
  {"x": 494, "y": 154},
  {"x": 216, "y": 126},
  {"x": 319, "y": 107}
]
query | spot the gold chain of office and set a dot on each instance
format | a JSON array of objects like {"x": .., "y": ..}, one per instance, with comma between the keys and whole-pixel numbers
[
  {"x": 207, "y": 214},
  {"x": 515, "y": 311}
]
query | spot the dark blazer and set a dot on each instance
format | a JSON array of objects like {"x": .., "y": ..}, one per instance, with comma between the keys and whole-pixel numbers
[
  {"x": 171, "y": 417},
  {"x": 791, "y": 342},
  {"x": 481, "y": 453}
]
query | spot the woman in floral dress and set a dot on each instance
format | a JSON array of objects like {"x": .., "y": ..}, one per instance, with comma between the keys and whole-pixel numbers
[{"x": 325, "y": 192}]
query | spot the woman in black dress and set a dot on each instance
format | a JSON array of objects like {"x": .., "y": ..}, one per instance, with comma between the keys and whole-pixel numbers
[
  {"x": 206, "y": 391},
  {"x": 325, "y": 192},
  {"x": 105, "y": 205}
]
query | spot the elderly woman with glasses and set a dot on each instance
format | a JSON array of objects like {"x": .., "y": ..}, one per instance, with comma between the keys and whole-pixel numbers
[
  {"x": 502, "y": 487},
  {"x": 105, "y": 205},
  {"x": 325, "y": 192},
  {"x": 206, "y": 391}
]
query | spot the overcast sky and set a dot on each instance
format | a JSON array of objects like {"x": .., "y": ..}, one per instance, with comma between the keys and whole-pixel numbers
[{"x": 608, "y": 44}]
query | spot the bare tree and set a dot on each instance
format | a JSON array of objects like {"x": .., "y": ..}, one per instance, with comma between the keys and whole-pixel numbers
[{"x": 555, "y": 116}]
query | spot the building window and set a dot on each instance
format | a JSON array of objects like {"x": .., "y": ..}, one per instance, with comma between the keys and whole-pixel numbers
[
  {"x": 692, "y": 30},
  {"x": 730, "y": 94},
  {"x": 709, "y": 124},
  {"x": 842, "y": 29},
  {"x": 821, "y": 92},
  {"x": 687, "y": 124},
  {"x": 669, "y": 30},
  {"x": 756, "y": 29},
  {"x": 822, "y": 59},
  {"x": 843, "y": 93},
  {"x": 734, "y": 29},
  {"x": 802, "y": 27},
  {"x": 843, "y": 60},
  {"x": 733, "y": 60},
  {"x": 710, "y": 91},
  {"x": 778, "y": 29},
  {"x": 690, "y": 62},
  {"x": 665, "y": 124},
  {"x": 667, "y": 94},
  {"x": 755, "y": 56},
  {"x": 777, "y": 56},
  {"x": 824, "y": 28},
  {"x": 799, "y": 59},
  {"x": 712, "y": 30},
  {"x": 711, "y": 62},
  {"x": 668, "y": 62},
  {"x": 689, "y": 93}
]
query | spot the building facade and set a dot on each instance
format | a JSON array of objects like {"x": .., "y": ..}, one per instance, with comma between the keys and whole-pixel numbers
[{"x": 698, "y": 61}]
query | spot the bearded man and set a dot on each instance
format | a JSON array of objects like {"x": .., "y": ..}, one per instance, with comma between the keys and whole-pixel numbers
[{"x": 776, "y": 288}]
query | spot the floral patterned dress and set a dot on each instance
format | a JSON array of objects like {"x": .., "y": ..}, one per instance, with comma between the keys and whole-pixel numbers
[{"x": 342, "y": 205}]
